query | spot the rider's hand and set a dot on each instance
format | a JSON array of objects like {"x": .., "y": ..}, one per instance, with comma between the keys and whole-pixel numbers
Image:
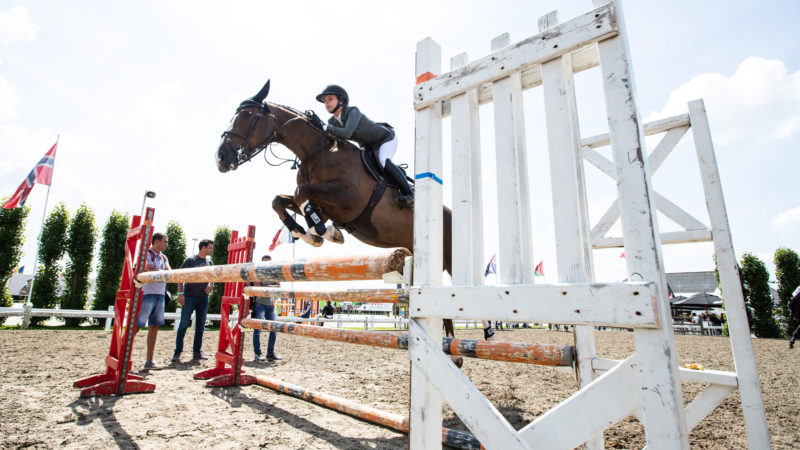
[{"x": 314, "y": 119}]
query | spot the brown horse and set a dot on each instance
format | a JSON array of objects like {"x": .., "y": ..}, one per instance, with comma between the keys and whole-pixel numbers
[{"x": 330, "y": 176}]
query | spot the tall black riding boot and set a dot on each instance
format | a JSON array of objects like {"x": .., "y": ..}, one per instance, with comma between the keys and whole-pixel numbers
[{"x": 405, "y": 197}]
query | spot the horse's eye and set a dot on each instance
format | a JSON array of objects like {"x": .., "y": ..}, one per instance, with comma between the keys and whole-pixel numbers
[{"x": 247, "y": 113}]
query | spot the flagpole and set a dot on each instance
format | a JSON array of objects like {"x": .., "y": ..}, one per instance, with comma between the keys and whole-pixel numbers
[{"x": 39, "y": 239}]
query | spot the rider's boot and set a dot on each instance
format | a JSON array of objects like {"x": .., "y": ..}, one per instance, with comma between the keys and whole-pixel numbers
[{"x": 405, "y": 197}]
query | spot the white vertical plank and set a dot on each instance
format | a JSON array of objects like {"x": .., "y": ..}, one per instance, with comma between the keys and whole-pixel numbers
[
  {"x": 662, "y": 399},
  {"x": 426, "y": 402},
  {"x": 755, "y": 419},
  {"x": 466, "y": 174},
  {"x": 515, "y": 250},
  {"x": 570, "y": 211}
]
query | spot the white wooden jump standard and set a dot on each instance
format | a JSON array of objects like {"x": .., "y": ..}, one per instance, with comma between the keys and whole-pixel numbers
[{"x": 647, "y": 381}]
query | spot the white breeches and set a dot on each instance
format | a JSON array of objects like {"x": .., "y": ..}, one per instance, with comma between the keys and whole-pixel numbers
[{"x": 387, "y": 150}]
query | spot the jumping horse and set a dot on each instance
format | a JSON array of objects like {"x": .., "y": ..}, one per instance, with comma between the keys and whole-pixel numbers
[{"x": 331, "y": 176}]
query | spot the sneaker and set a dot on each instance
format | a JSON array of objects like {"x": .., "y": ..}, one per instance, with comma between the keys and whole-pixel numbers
[
  {"x": 198, "y": 356},
  {"x": 274, "y": 357},
  {"x": 151, "y": 365},
  {"x": 260, "y": 358},
  {"x": 176, "y": 358}
]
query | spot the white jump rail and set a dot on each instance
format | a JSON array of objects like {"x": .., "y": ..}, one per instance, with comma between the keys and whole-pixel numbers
[{"x": 647, "y": 383}]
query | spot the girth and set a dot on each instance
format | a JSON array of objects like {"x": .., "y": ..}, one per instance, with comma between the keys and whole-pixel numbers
[{"x": 363, "y": 221}]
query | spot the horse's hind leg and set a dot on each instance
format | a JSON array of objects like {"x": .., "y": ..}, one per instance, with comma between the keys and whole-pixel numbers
[{"x": 283, "y": 202}]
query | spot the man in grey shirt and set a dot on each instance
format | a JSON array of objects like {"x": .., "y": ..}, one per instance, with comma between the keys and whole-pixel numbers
[
  {"x": 151, "y": 311},
  {"x": 193, "y": 297}
]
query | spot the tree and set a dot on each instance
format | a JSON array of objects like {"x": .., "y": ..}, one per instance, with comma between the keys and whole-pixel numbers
[
  {"x": 176, "y": 254},
  {"x": 111, "y": 260},
  {"x": 81, "y": 237},
  {"x": 787, "y": 270},
  {"x": 756, "y": 289},
  {"x": 725, "y": 331},
  {"x": 222, "y": 237},
  {"x": 52, "y": 245},
  {"x": 12, "y": 236}
]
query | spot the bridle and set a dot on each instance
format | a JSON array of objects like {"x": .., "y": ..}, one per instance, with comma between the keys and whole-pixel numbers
[{"x": 243, "y": 154}]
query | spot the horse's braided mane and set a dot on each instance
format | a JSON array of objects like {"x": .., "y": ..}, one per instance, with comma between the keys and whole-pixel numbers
[{"x": 302, "y": 115}]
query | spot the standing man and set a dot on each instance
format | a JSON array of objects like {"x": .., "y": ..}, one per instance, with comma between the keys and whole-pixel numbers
[
  {"x": 265, "y": 310},
  {"x": 794, "y": 315},
  {"x": 151, "y": 312},
  {"x": 327, "y": 312},
  {"x": 193, "y": 297}
]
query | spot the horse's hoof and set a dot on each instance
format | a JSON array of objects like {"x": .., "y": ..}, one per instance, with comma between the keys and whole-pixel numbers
[
  {"x": 457, "y": 360},
  {"x": 316, "y": 241},
  {"x": 334, "y": 235}
]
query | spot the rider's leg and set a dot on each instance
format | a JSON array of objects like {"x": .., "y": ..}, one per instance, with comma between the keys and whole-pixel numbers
[{"x": 397, "y": 175}]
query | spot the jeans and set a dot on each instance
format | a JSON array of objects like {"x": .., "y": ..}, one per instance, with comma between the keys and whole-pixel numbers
[
  {"x": 151, "y": 312},
  {"x": 200, "y": 307},
  {"x": 264, "y": 312},
  {"x": 796, "y": 334}
]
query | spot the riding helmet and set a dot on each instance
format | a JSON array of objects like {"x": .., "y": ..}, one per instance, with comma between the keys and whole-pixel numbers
[{"x": 334, "y": 89}]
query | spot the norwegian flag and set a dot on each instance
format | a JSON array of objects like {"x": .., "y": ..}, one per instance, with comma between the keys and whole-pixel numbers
[
  {"x": 42, "y": 173},
  {"x": 283, "y": 236}
]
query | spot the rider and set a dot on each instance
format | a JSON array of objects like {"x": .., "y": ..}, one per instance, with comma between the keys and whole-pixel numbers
[{"x": 348, "y": 122}]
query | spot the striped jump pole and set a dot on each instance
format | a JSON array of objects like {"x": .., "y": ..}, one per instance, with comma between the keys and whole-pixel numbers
[
  {"x": 451, "y": 438},
  {"x": 370, "y": 266},
  {"x": 333, "y": 295},
  {"x": 539, "y": 354}
]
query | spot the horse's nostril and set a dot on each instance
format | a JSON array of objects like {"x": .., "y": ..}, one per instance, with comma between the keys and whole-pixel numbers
[{"x": 233, "y": 167}]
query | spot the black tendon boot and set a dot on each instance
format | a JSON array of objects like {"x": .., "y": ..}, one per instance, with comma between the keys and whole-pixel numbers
[
  {"x": 405, "y": 197},
  {"x": 313, "y": 220}
]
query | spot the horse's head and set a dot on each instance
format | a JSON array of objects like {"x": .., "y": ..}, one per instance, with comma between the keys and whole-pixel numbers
[{"x": 252, "y": 128}]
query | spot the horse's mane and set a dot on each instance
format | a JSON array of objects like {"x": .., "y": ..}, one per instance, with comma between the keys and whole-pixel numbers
[{"x": 302, "y": 116}]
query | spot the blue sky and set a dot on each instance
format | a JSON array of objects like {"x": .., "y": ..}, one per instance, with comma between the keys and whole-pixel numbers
[{"x": 139, "y": 93}]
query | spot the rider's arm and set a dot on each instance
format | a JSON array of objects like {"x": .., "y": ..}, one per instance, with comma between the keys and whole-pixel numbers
[{"x": 354, "y": 116}]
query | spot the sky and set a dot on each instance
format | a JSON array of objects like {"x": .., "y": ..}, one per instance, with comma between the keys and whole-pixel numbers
[{"x": 138, "y": 93}]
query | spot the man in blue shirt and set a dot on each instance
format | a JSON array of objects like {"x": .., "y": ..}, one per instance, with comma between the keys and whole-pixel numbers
[
  {"x": 193, "y": 297},
  {"x": 264, "y": 309}
]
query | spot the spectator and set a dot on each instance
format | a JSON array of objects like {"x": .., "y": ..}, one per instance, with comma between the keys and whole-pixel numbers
[
  {"x": 327, "y": 312},
  {"x": 794, "y": 315},
  {"x": 151, "y": 313},
  {"x": 265, "y": 310},
  {"x": 193, "y": 297}
]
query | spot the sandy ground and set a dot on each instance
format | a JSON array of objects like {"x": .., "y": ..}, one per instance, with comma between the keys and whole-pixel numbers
[{"x": 39, "y": 408}]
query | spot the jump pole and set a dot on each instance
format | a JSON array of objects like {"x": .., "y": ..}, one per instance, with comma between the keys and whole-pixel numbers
[
  {"x": 451, "y": 438},
  {"x": 539, "y": 354},
  {"x": 333, "y": 295},
  {"x": 372, "y": 266}
]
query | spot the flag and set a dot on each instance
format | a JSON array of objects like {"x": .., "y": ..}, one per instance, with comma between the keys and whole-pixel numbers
[
  {"x": 539, "y": 270},
  {"x": 42, "y": 173},
  {"x": 491, "y": 267},
  {"x": 283, "y": 236},
  {"x": 622, "y": 255},
  {"x": 21, "y": 269}
]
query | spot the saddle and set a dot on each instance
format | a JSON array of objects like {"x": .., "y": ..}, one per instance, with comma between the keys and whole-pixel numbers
[{"x": 369, "y": 160}]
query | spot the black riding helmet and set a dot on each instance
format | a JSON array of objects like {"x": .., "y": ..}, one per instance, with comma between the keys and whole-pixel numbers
[{"x": 334, "y": 89}]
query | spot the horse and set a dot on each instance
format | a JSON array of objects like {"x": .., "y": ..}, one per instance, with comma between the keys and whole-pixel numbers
[{"x": 330, "y": 176}]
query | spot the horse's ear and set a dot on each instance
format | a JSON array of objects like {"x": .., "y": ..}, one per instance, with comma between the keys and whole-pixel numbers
[{"x": 262, "y": 94}]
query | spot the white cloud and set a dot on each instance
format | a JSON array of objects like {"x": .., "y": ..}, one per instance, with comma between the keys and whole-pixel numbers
[
  {"x": 16, "y": 25},
  {"x": 760, "y": 101},
  {"x": 787, "y": 221},
  {"x": 8, "y": 100}
]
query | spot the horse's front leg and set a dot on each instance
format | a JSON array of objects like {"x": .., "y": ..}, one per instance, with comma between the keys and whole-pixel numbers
[
  {"x": 283, "y": 202},
  {"x": 305, "y": 196}
]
